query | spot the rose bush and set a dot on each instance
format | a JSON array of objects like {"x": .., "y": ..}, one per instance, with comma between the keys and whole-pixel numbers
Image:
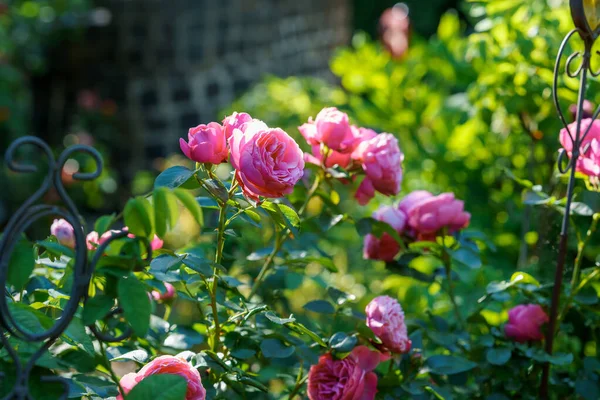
[{"x": 243, "y": 276}]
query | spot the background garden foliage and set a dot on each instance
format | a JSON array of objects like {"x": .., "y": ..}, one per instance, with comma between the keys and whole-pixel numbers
[{"x": 472, "y": 111}]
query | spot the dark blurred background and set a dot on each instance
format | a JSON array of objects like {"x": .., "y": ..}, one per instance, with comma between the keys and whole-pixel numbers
[{"x": 131, "y": 76}]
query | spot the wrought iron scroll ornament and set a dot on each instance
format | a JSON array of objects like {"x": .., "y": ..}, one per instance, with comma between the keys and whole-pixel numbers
[
  {"x": 30, "y": 211},
  {"x": 586, "y": 17}
]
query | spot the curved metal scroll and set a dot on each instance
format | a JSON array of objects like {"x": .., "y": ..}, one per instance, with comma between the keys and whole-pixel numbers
[{"x": 29, "y": 212}]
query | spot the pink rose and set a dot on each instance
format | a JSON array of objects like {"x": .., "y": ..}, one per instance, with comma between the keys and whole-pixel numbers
[
  {"x": 386, "y": 247},
  {"x": 349, "y": 379},
  {"x": 395, "y": 30},
  {"x": 589, "y": 157},
  {"x": 334, "y": 158},
  {"x": 268, "y": 162},
  {"x": 386, "y": 319},
  {"x": 168, "y": 295},
  {"x": 365, "y": 192},
  {"x": 382, "y": 162},
  {"x": 156, "y": 243},
  {"x": 64, "y": 233},
  {"x": 235, "y": 121},
  {"x": 94, "y": 240},
  {"x": 413, "y": 200},
  {"x": 588, "y": 110},
  {"x": 331, "y": 128},
  {"x": 427, "y": 215},
  {"x": 207, "y": 144},
  {"x": 524, "y": 323},
  {"x": 361, "y": 134},
  {"x": 167, "y": 365}
]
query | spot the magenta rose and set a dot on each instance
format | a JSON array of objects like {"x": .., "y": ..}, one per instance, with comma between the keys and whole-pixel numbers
[
  {"x": 167, "y": 365},
  {"x": 331, "y": 128},
  {"x": 524, "y": 323},
  {"x": 428, "y": 215},
  {"x": 167, "y": 295},
  {"x": 268, "y": 162},
  {"x": 385, "y": 248},
  {"x": 386, "y": 319},
  {"x": 235, "y": 121},
  {"x": 349, "y": 379},
  {"x": 589, "y": 157},
  {"x": 365, "y": 192},
  {"x": 64, "y": 233},
  {"x": 206, "y": 144},
  {"x": 333, "y": 158},
  {"x": 381, "y": 160}
]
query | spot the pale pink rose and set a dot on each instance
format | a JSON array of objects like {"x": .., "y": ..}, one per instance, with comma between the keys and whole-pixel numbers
[
  {"x": 428, "y": 215},
  {"x": 386, "y": 319},
  {"x": 206, "y": 144},
  {"x": 386, "y": 247},
  {"x": 333, "y": 158},
  {"x": 361, "y": 134},
  {"x": 156, "y": 243},
  {"x": 395, "y": 30},
  {"x": 413, "y": 199},
  {"x": 235, "y": 121},
  {"x": 94, "y": 240},
  {"x": 349, "y": 379},
  {"x": 589, "y": 158},
  {"x": 331, "y": 128},
  {"x": 268, "y": 162},
  {"x": 167, "y": 365},
  {"x": 168, "y": 295},
  {"x": 381, "y": 160},
  {"x": 64, "y": 233},
  {"x": 524, "y": 323}
]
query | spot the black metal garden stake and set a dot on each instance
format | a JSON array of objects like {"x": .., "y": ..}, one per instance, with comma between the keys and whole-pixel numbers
[{"x": 586, "y": 17}]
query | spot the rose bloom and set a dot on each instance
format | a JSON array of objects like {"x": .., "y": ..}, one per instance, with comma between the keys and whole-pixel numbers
[
  {"x": 386, "y": 247},
  {"x": 235, "y": 121},
  {"x": 381, "y": 160},
  {"x": 589, "y": 157},
  {"x": 168, "y": 295},
  {"x": 349, "y": 379},
  {"x": 365, "y": 192},
  {"x": 331, "y": 128},
  {"x": 94, "y": 240},
  {"x": 64, "y": 233},
  {"x": 206, "y": 144},
  {"x": 167, "y": 365},
  {"x": 428, "y": 214},
  {"x": 268, "y": 162},
  {"x": 394, "y": 26},
  {"x": 386, "y": 319},
  {"x": 333, "y": 158},
  {"x": 524, "y": 323},
  {"x": 588, "y": 110}
]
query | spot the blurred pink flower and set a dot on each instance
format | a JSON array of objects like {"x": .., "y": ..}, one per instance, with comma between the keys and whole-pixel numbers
[
  {"x": 94, "y": 240},
  {"x": 428, "y": 214},
  {"x": 334, "y": 158},
  {"x": 268, "y": 162},
  {"x": 589, "y": 158},
  {"x": 386, "y": 247},
  {"x": 524, "y": 323},
  {"x": 386, "y": 319},
  {"x": 365, "y": 192},
  {"x": 88, "y": 100},
  {"x": 167, "y": 365},
  {"x": 64, "y": 232},
  {"x": 381, "y": 161},
  {"x": 206, "y": 144},
  {"x": 349, "y": 379},
  {"x": 235, "y": 121},
  {"x": 394, "y": 26},
  {"x": 588, "y": 110},
  {"x": 168, "y": 295},
  {"x": 331, "y": 128}
]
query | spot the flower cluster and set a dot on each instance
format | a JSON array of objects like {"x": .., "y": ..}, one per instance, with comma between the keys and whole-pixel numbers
[
  {"x": 353, "y": 377},
  {"x": 588, "y": 162},
  {"x": 419, "y": 216},
  {"x": 267, "y": 161},
  {"x": 335, "y": 142}
]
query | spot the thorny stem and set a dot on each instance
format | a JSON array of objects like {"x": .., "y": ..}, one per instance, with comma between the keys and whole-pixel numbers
[
  {"x": 215, "y": 282},
  {"x": 448, "y": 267},
  {"x": 280, "y": 240},
  {"x": 580, "y": 249},
  {"x": 299, "y": 382}
]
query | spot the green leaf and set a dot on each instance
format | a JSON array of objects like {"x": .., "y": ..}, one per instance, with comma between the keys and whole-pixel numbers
[
  {"x": 582, "y": 209},
  {"x": 282, "y": 215},
  {"x": 165, "y": 262},
  {"x": 138, "y": 217},
  {"x": 342, "y": 342},
  {"x": 56, "y": 249},
  {"x": 133, "y": 298},
  {"x": 96, "y": 308},
  {"x": 200, "y": 265},
  {"x": 467, "y": 257},
  {"x": 253, "y": 215},
  {"x": 365, "y": 226},
  {"x": 165, "y": 386},
  {"x": 207, "y": 202},
  {"x": 253, "y": 382},
  {"x": 190, "y": 203},
  {"x": 166, "y": 210},
  {"x": 587, "y": 296},
  {"x": 523, "y": 278},
  {"x": 216, "y": 188},
  {"x": 21, "y": 264},
  {"x": 498, "y": 356},
  {"x": 449, "y": 365},
  {"x": 104, "y": 223},
  {"x": 587, "y": 388},
  {"x": 320, "y": 306},
  {"x": 173, "y": 177},
  {"x": 139, "y": 356},
  {"x": 274, "y": 348},
  {"x": 303, "y": 330},
  {"x": 279, "y": 321}
]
